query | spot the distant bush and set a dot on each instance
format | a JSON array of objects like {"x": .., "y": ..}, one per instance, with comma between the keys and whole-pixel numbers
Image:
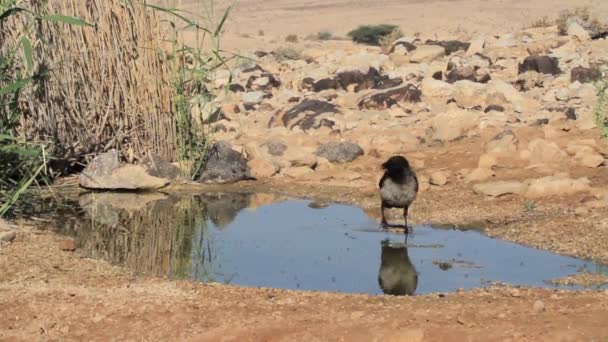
[
  {"x": 261, "y": 33},
  {"x": 324, "y": 35},
  {"x": 580, "y": 15},
  {"x": 371, "y": 35},
  {"x": 389, "y": 40},
  {"x": 292, "y": 38},
  {"x": 601, "y": 107},
  {"x": 542, "y": 22},
  {"x": 282, "y": 54}
]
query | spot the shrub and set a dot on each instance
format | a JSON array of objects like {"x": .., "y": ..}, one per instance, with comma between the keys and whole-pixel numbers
[
  {"x": 387, "y": 41},
  {"x": 282, "y": 54},
  {"x": 580, "y": 15},
  {"x": 542, "y": 22},
  {"x": 324, "y": 35},
  {"x": 292, "y": 38},
  {"x": 371, "y": 35},
  {"x": 601, "y": 107}
]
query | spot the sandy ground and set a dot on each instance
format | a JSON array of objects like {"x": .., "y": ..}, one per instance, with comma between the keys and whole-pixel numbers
[
  {"x": 49, "y": 294},
  {"x": 433, "y": 19}
]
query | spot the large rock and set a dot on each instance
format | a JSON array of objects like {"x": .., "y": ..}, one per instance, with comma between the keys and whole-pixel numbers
[
  {"x": 158, "y": 167},
  {"x": 574, "y": 29},
  {"x": 386, "y": 98},
  {"x": 341, "y": 152},
  {"x": 450, "y": 46},
  {"x": 584, "y": 75},
  {"x": 499, "y": 188},
  {"x": 224, "y": 165},
  {"x": 262, "y": 168},
  {"x": 105, "y": 173},
  {"x": 546, "y": 152},
  {"x": 307, "y": 115},
  {"x": 468, "y": 94},
  {"x": 453, "y": 124},
  {"x": 504, "y": 142},
  {"x": 541, "y": 64},
  {"x": 426, "y": 53},
  {"x": 436, "y": 89},
  {"x": 556, "y": 186}
]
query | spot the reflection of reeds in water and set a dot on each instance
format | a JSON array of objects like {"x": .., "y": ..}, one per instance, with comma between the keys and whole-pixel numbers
[{"x": 159, "y": 236}]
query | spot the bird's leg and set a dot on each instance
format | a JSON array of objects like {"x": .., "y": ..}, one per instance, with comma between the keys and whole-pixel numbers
[
  {"x": 405, "y": 211},
  {"x": 384, "y": 224}
]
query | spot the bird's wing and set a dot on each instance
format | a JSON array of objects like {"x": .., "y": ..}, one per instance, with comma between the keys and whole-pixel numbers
[{"x": 382, "y": 180}]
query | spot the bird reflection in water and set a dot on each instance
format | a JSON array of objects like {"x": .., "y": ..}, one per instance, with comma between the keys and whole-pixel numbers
[{"x": 397, "y": 275}]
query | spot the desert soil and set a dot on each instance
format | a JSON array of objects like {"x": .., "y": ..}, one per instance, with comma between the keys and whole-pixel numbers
[{"x": 50, "y": 294}]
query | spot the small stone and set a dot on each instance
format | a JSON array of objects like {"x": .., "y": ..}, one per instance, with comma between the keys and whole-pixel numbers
[
  {"x": 487, "y": 161},
  {"x": 342, "y": 152},
  {"x": 479, "y": 174},
  {"x": 297, "y": 171},
  {"x": 439, "y": 178},
  {"x": 262, "y": 168},
  {"x": 423, "y": 183},
  {"x": 356, "y": 315},
  {"x": 499, "y": 188},
  {"x": 7, "y": 236},
  {"x": 515, "y": 293},
  {"x": 252, "y": 98},
  {"x": 67, "y": 245},
  {"x": 539, "y": 306}
]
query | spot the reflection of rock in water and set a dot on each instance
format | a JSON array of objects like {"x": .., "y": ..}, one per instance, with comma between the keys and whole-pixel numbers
[
  {"x": 153, "y": 233},
  {"x": 222, "y": 209},
  {"x": 397, "y": 274}
]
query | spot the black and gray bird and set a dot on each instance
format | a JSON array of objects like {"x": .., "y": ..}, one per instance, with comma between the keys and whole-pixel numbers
[
  {"x": 398, "y": 187},
  {"x": 397, "y": 275}
]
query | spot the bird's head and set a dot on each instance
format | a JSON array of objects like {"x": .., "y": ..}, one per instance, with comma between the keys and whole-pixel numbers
[{"x": 396, "y": 164}]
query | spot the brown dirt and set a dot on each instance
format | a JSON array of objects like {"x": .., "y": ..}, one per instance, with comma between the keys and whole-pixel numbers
[{"x": 47, "y": 294}]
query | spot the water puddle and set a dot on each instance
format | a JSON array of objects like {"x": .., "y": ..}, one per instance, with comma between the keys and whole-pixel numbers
[{"x": 271, "y": 241}]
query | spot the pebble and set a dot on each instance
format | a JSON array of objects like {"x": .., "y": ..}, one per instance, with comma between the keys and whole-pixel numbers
[
  {"x": 539, "y": 306},
  {"x": 67, "y": 245},
  {"x": 439, "y": 178},
  {"x": 7, "y": 236}
]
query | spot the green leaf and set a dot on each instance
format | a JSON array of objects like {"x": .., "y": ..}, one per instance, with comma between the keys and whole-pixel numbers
[
  {"x": 12, "y": 88},
  {"x": 174, "y": 12},
  {"x": 11, "y": 11},
  {"x": 65, "y": 19},
  {"x": 27, "y": 51},
  {"x": 221, "y": 24}
]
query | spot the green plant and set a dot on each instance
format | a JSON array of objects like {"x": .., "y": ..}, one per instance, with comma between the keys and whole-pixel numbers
[
  {"x": 600, "y": 111},
  {"x": 292, "y": 38},
  {"x": 371, "y": 35},
  {"x": 23, "y": 161},
  {"x": 283, "y": 54},
  {"x": 529, "y": 206},
  {"x": 387, "y": 42}
]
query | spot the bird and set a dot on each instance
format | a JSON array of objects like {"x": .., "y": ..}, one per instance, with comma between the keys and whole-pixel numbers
[
  {"x": 397, "y": 275},
  {"x": 398, "y": 187}
]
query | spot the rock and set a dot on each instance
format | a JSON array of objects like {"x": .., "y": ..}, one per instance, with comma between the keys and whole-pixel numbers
[
  {"x": 453, "y": 125},
  {"x": 395, "y": 142},
  {"x": 468, "y": 94},
  {"x": 505, "y": 142},
  {"x": 7, "y": 236},
  {"x": 450, "y": 46},
  {"x": 574, "y": 29},
  {"x": 299, "y": 157},
  {"x": 476, "y": 46},
  {"x": 361, "y": 81},
  {"x": 541, "y": 64},
  {"x": 499, "y": 188},
  {"x": 296, "y": 171},
  {"x": 224, "y": 165},
  {"x": 4, "y": 226},
  {"x": 158, "y": 167},
  {"x": 386, "y": 98},
  {"x": 105, "y": 173},
  {"x": 276, "y": 148},
  {"x": 556, "y": 186},
  {"x": 263, "y": 82},
  {"x": 67, "y": 245},
  {"x": 324, "y": 84},
  {"x": 545, "y": 152},
  {"x": 262, "y": 168},
  {"x": 473, "y": 68},
  {"x": 307, "y": 115},
  {"x": 252, "y": 98},
  {"x": 434, "y": 88},
  {"x": 426, "y": 53},
  {"x": 589, "y": 158},
  {"x": 584, "y": 75},
  {"x": 342, "y": 152},
  {"x": 487, "y": 161},
  {"x": 538, "y": 306},
  {"x": 439, "y": 178},
  {"x": 479, "y": 175}
]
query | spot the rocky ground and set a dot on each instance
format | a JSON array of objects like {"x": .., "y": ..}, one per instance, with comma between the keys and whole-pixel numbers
[{"x": 499, "y": 127}]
